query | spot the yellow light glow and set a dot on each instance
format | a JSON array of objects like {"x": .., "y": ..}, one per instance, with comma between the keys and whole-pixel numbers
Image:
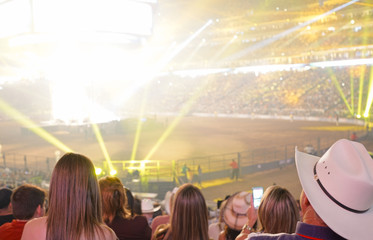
[
  {"x": 185, "y": 110},
  {"x": 361, "y": 88},
  {"x": 337, "y": 85},
  {"x": 352, "y": 90},
  {"x": 98, "y": 171},
  {"x": 370, "y": 94},
  {"x": 100, "y": 140},
  {"x": 121, "y": 16},
  {"x": 113, "y": 172},
  {"x": 16, "y": 12},
  {"x": 20, "y": 118},
  {"x": 139, "y": 124}
]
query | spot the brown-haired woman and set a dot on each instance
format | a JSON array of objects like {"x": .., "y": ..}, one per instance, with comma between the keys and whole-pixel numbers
[
  {"x": 278, "y": 212},
  {"x": 189, "y": 216},
  {"x": 117, "y": 216},
  {"x": 74, "y": 211}
]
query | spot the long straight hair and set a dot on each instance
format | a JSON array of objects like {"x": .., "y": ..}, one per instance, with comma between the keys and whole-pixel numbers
[
  {"x": 113, "y": 199},
  {"x": 189, "y": 215},
  {"x": 74, "y": 200},
  {"x": 278, "y": 212}
]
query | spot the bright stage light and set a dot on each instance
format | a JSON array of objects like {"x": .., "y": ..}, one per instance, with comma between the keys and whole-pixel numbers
[
  {"x": 15, "y": 17},
  {"x": 358, "y": 116},
  {"x": 98, "y": 171},
  {"x": 113, "y": 172}
]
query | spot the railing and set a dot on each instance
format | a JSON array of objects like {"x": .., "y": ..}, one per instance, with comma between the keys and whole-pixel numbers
[{"x": 17, "y": 168}]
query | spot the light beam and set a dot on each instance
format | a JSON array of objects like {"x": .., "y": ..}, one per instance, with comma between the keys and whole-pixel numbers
[
  {"x": 20, "y": 118},
  {"x": 370, "y": 94},
  {"x": 337, "y": 85},
  {"x": 286, "y": 32},
  {"x": 100, "y": 140}
]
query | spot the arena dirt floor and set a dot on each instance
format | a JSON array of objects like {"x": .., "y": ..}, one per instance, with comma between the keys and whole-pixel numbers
[{"x": 190, "y": 137}]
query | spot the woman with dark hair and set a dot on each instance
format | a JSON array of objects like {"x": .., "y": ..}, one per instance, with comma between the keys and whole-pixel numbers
[
  {"x": 117, "y": 216},
  {"x": 130, "y": 201},
  {"x": 74, "y": 211},
  {"x": 189, "y": 217}
]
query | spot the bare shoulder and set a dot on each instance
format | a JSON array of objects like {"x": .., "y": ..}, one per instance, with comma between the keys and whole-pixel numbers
[
  {"x": 35, "y": 229},
  {"x": 109, "y": 233}
]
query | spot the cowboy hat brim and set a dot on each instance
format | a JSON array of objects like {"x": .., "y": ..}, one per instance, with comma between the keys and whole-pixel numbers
[
  {"x": 151, "y": 210},
  {"x": 345, "y": 223}
]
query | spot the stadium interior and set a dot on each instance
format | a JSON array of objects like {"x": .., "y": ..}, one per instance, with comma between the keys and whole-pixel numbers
[{"x": 76, "y": 73}]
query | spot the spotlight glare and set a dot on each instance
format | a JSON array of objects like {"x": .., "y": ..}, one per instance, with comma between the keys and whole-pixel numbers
[
  {"x": 366, "y": 115},
  {"x": 98, "y": 171},
  {"x": 358, "y": 116},
  {"x": 113, "y": 172}
]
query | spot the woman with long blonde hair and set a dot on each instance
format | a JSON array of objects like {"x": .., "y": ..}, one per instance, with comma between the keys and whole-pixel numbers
[
  {"x": 74, "y": 211},
  {"x": 117, "y": 216},
  {"x": 189, "y": 217}
]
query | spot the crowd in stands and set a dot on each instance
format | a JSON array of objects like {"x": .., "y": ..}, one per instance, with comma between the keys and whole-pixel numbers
[
  {"x": 334, "y": 204},
  {"x": 337, "y": 36},
  {"x": 302, "y": 92},
  {"x": 16, "y": 176}
]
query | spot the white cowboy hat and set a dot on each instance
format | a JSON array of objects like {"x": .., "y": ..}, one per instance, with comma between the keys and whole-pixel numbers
[
  {"x": 339, "y": 186},
  {"x": 235, "y": 211},
  {"x": 147, "y": 206},
  {"x": 167, "y": 200}
]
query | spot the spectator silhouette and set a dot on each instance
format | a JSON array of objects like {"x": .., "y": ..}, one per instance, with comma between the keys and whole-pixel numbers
[
  {"x": 278, "y": 212},
  {"x": 116, "y": 216},
  {"x": 6, "y": 214},
  {"x": 235, "y": 214},
  {"x": 337, "y": 196},
  {"x": 27, "y": 203},
  {"x": 189, "y": 217},
  {"x": 235, "y": 169},
  {"x": 148, "y": 210},
  {"x": 168, "y": 203},
  {"x": 74, "y": 210},
  {"x": 216, "y": 228}
]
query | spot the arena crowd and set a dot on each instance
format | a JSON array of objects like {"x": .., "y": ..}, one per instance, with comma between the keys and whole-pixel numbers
[{"x": 77, "y": 205}]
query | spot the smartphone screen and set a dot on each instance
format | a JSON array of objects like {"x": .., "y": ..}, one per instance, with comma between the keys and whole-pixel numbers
[{"x": 257, "y": 196}]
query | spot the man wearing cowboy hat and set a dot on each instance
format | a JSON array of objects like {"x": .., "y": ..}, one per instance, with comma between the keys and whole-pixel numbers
[
  {"x": 337, "y": 196},
  {"x": 148, "y": 209}
]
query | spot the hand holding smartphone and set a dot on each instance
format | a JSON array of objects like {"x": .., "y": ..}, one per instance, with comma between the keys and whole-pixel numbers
[{"x": 257, "y": 196}]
